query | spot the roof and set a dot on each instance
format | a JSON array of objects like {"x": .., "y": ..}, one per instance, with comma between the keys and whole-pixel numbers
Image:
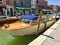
[{"x": 30, "y": 17}]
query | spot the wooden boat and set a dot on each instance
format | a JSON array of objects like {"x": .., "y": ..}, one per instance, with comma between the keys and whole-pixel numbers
[
  {"x": 3, "y": 21},
  {"x": 21, "y": 28},
  {"x": 29, "y": 30}
]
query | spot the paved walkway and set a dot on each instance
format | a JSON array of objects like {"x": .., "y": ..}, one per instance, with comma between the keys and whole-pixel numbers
[{"x": 54, "y": 37}]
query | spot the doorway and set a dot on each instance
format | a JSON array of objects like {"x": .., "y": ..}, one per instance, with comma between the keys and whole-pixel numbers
[{"x": 11, "y": 11}]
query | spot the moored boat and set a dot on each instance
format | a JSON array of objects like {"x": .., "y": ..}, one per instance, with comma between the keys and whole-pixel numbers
[
  {"x": 25, "y": 27},
  {"x": 2, "y": 21}
]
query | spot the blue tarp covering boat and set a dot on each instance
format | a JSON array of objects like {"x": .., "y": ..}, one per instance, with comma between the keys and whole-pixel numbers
[{"x": 30, "y": 17}]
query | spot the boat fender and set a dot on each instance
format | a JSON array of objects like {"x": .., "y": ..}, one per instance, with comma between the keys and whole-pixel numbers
[{"x": 6, "y": 25}]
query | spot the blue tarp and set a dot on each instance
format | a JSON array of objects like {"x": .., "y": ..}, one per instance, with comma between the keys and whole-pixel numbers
[{"x": 30, "y": 17}]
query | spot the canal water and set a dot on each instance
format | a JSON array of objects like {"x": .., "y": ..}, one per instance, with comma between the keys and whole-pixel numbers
[{"x": 6, "y": 39}]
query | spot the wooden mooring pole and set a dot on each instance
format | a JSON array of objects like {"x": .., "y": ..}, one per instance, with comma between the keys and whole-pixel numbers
[{"x": 39, "y": 22}]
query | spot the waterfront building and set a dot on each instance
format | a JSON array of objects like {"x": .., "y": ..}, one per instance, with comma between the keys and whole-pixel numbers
[
  {"x": 33, "y": 3},
  {"x": 10, "y": 7},
  {"x": 23, "y": 3},
  {"x": 2, "y": 6},
  {"x": 42, "y": 3}
]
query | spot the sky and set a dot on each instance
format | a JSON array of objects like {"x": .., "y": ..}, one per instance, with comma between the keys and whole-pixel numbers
[{"x": 55, "y": 2}]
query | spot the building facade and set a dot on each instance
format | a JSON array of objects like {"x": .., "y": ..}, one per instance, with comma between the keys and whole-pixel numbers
[
  {"x": 11, "y": 4},
  {"x": 23, "y": 3},
  {"x": 58, "y": 8},
  {"x": 2, "y": 6},
  {"x": 33, "y": 3},
  {"x": 10, "y": 7},
  {"x": 42, "y": 3}
]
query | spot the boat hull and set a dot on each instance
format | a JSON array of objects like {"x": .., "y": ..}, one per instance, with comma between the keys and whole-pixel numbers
[
  {"x": 3, "y": 21},
  {"x": 29, "y": 31}
]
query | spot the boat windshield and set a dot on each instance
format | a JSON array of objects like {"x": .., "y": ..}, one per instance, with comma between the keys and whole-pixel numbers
[{"x": 27, "y": 21}]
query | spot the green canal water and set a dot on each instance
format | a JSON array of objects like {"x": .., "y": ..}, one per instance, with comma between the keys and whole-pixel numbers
[{"x": 6, "y": 39}]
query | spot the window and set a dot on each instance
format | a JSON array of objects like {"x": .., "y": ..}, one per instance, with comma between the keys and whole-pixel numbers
[{"x": 27, "y": 21}]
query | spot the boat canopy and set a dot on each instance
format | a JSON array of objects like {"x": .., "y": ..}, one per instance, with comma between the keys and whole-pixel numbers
[{"x": 30, "y": 17}]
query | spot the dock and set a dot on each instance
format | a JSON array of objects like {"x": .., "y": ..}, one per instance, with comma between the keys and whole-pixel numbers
[{"x": 49, "y": 37}]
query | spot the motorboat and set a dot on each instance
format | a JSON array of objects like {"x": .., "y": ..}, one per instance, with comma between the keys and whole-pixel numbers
[{"x": 27, "y": 26}]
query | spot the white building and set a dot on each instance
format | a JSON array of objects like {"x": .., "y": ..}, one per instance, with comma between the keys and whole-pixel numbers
[{"x": 33, "y": 3}]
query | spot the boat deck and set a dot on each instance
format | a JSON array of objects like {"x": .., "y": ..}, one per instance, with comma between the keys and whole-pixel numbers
[
  {"x": 19, "y": 25},
  {"x": 16, "y": 25}
]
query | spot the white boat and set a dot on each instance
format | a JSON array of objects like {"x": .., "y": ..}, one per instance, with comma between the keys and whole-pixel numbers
[
  {"x": 26, "y": 29},
  {"x": 21, "y": 29},
  {"x": 29, "y": 30}
]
